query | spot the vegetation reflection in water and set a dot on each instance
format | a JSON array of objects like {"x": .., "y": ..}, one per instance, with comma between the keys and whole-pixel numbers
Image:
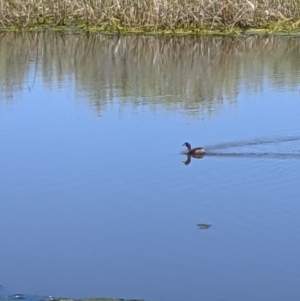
[{"x": 191, "y": 74}]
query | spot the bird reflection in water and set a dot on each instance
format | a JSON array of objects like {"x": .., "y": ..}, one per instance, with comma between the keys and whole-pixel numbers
[{"x": 189, "y": 158}]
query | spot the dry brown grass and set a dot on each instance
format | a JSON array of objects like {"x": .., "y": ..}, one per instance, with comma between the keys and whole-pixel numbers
[{"x": 150, "y": 15}]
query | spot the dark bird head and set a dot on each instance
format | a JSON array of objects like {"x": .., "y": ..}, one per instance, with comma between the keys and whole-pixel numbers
[{"x": 187, "y": 145}]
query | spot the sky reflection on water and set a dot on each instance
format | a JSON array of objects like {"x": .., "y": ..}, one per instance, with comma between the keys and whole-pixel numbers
[{"x": 95, "y": 200}]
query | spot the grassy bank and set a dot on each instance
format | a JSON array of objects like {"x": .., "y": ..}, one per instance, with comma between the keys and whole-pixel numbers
[{"x": 167, "y": 16}]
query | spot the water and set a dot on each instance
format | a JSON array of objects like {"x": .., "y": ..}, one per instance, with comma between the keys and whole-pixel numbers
[{"x": 95, "y": 200}]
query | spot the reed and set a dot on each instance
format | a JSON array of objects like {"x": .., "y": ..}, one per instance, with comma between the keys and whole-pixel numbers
[{"x": 174, "y": 16}]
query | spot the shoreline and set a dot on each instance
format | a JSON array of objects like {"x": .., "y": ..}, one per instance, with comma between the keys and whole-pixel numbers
[{"x": 153, "y": 17}]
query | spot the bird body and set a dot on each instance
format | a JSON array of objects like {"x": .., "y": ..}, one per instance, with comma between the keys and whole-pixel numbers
[{"x": 197, "y": 151}]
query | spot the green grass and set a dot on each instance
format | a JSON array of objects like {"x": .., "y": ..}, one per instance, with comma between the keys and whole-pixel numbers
[{"x": 155, "y": 16}]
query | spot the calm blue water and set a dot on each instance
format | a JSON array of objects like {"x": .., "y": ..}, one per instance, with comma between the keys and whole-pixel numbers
[{"x": 98, "y": 203}]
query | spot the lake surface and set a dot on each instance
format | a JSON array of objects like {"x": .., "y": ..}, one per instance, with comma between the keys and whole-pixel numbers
[{"x": 95, "y": 198}]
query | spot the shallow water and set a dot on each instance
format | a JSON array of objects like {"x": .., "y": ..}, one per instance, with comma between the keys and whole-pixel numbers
[{"x": 95, "y": 199}]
